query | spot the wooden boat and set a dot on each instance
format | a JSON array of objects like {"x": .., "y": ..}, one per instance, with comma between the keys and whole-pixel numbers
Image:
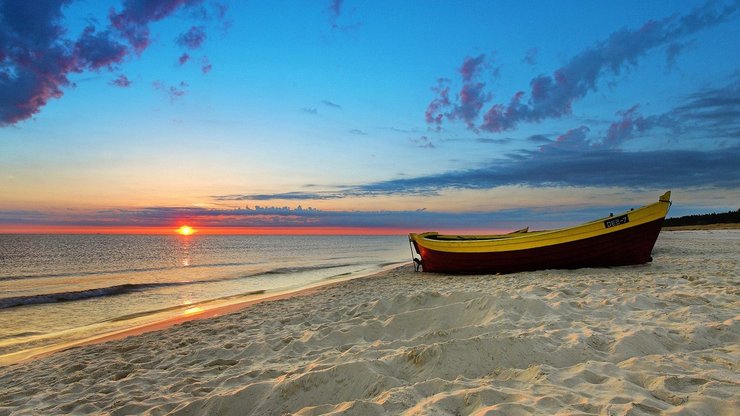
[{"x": 617, "y": 240}]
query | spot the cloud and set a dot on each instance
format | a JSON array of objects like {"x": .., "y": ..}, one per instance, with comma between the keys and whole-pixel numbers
[
  {"x": 564, "y": 167},
  {"x": 433, "y": 114},
  {"x": 312, "y": 111},
  {"x": 471, "y": 67},
  {"x": 97, "y": 50},
  {"x": 183, "y": 59},
  {"x": 122, "y": 81},
  {"x": 331, "y": 104},
  {"x": 132, "y": 22},
  {"x": 193, "y": 38},
  {"x": 36, "y": 57},
  {"x": 174, "y": 92},
  {"x": 205, "y": 65},
  {"x": 530, "y": 58},
  {"x": 294, "y": 196},
  {"x": 424, "y": 142},
  {"x": 470, "y": 100},
  {"x": 631, "y": 123},
  {"x": 33, "y": 63},
  {"x": 552, "y": 96},
  {"x": 538, "y": 138},
  {"x": 503, "y": 140},
  {"x": 294, "y": 218},
  {"x": 358, "y": 132}
]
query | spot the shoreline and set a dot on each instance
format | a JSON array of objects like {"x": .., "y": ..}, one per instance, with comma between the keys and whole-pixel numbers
[
  {"x": 188, "y": 314},
  {"x": 661, "y": 338}
]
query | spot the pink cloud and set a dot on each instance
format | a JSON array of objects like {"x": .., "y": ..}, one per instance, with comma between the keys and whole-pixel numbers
[
  {"x": 193, "y": 38},
  {"x": 122, "y": 81},
  {"x": 38, "y": 58},
  {"x": 553, "y": 96},
  {"x": 183, "y": 59}
]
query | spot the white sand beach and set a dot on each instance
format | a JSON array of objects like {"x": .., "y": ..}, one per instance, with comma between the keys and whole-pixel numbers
[{"x": 662, "y": 338}]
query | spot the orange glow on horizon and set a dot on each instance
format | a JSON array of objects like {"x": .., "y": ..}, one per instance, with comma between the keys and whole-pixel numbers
[
  {"x": 168, "y": 230},
  {"x": 186, "y": 230}
]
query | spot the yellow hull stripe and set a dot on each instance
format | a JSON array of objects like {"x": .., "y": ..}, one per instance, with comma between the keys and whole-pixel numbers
[{"x": 525, "y": 241}]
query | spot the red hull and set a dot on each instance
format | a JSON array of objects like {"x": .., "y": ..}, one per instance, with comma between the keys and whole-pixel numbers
[{"x": 620, "y": 248}]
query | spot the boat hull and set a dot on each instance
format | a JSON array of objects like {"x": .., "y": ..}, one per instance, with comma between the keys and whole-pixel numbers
[{"x": 628, "y": 246}]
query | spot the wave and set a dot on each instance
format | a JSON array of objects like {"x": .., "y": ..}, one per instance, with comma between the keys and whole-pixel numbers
[
  {"x": 131, "y": 270},
  {"x": 82, "y": 294},
  {"x": 127, "y": 288}
]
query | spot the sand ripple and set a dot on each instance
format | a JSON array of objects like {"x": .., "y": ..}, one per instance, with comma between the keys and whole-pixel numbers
[{"x": 655, "y": 339}]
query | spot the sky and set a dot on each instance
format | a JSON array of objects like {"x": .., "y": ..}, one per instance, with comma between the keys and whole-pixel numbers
[{"x": 344, "y": 116}]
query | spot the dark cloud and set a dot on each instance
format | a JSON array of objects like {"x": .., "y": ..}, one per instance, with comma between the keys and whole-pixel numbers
[
  {"x": 358, "y": 132},
  {"x": 97, "y": 50},
  {"x": 552, "y": 96},
  {"x": 132, "y": 22},
  {"x": 193, "y": 38},
  {"x": 37, "y": 57},
  {"x": 183, "y": 59},
  {"x": 122, "y": 81},
  {"x": 560, "y": 167},
  {"x": 312, "y": 111},
  {"x": 335, "y": 10},
  {"x": 568, "y": 161},
  {"x": 538, "y": 138},
  {"x": 33, "y": 63},
  {"x": 573, "y": 140}
]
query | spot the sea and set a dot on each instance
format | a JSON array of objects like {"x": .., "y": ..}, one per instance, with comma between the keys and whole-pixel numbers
[{"x": 60, "y": 289}]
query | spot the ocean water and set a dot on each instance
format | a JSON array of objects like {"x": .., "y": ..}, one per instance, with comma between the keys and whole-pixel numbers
[{"x": 56, "y": 289}]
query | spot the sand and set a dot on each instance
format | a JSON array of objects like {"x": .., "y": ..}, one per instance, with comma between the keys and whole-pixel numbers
[{"x": 655, "y": 339}]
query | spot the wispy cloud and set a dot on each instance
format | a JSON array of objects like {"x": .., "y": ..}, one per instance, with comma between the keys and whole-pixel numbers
[
  {"x": 174, "y": 92},
  {"x": 530, "y": 58},
  {"x": 335, "y": 10},
  {"x": 423, "y": 142},
  {"x": 331, "y": 104}
]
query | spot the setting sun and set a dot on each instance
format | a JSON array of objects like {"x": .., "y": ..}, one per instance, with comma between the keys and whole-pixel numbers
[{"x": 185, "y": 230}]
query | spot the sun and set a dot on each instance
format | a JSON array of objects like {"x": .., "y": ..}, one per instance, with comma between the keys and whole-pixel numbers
[{"x": 185, "y": 230}]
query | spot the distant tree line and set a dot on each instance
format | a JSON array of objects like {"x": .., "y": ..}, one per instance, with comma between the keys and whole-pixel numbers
[{"x": 704, "y": 219}]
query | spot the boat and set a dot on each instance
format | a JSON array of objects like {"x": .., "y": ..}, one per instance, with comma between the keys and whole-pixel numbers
[{"x": 617, "y": 240}]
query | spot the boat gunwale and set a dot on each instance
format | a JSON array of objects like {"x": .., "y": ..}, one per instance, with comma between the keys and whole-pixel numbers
[{"x": 514, "y": 242}]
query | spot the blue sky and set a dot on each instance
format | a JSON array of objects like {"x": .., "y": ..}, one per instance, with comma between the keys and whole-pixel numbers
[{"x": 402, "y": 115}]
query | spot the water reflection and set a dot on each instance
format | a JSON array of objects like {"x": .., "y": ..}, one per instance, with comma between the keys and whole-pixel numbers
[{"x": 186, "y": 242}]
